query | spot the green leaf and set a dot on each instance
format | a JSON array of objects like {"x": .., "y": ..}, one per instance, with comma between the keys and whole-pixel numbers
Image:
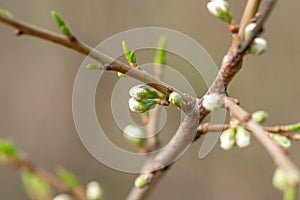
[
  {"x": 65, "y": 30},
  {"x": 160, "y": 56},
  {"x": 66, "y": 176},
  {"x": 132, "y": 57},
  {"x": 36, "y": 187},
  {"x": 5, "y": 13},
  {"x": 93, "y": 67},
  {"x": 126, "y": 51},
  {"x": 8, "y": 149},
  {"x": 121, "y": 75},
  {"x": 60, "y": 23},
  {"x": 294, "y": 127}
]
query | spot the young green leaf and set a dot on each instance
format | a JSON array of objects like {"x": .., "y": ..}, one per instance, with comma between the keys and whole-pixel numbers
[
  {"x": 5, "y": 13},
  {"x": 121, "y": 75},
  {"x": 35, "y": 186},
  {"x": 160, "y": 56},
  {"x": 60, "y": 23},
  {"x": 8, "y": 149},
  {"x": 93, "y": 66},
  {"x": 126, "y": 50},
  {"x": 132, "y": 57},
  {"x": 294, "y": 127},
  {"x": 66, "y": 176}
]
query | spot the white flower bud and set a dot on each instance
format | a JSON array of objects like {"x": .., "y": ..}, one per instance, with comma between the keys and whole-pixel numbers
[
  {"x": 259, "y": 116},
  {"x": 141, "y": 181},
  {"x": 243, "y": 137},
  {"x": 212, "y": 102},
  {"x": 227, "y": 139},
  {"x": 282, "y": 141},
  {"x": 133, "y": 104},
  {"x": 94, "y": 191},
  {"x": 175, "y": 99},
  {"x": 135, "y": 135},
  {"x": 282, "y": 180},
  {"x": 258, "y": 46},
  {"x": 249, "y": 28},
  {"x": 62, "y": 197},
  {"x": 143, "y": 92},
  {"x": 141, "y": 106},
  {"x": 220, "y": 9}
]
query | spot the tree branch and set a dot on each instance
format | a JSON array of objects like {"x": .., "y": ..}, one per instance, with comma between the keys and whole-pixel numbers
[
  {"x": 268, "y": 7},
  {"x": 275, "y": 152},
  {"x": 283, "y": 130},
  {"x": 109, "y": 63},
  {"x": 25, "y": 164},
  {"x": 158, "y": 165},
  {"x": 231, "y": 64},
  {"x": 249, "y": 13}
]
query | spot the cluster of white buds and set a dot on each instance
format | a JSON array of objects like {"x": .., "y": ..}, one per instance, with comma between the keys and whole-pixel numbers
[
  {"x": 212, "y": 102},
  {"x": 220, "y": 9},
  {"x": 143, "y": 98},
  {"x": 235, "y": 136},
  {"x": 259, "y": 45},
  {"x": 94, "y": 191}
]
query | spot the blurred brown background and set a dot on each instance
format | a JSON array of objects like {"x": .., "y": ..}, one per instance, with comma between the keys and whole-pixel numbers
[{"x": 36, "y": 80}]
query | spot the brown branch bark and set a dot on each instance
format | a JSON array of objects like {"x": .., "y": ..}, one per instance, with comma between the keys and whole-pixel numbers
[
  {"x": 182, "y": 139},
  {"x": 25, "y": 164},
  {"x": 109, "y": 63},
  {"x": 232, "y": 63}
]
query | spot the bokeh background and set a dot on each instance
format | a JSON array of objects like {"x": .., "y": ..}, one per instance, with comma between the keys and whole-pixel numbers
[{"x": 36, "y": 81}]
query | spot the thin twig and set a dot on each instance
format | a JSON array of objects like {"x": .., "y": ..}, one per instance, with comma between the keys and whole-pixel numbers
[
  {"x": 152, "y": 139},
  {"x": 76, "y": 45},
  {"x": 275, "y": 152},
  {"x": 269, "y": 5},
  {"x": 281, "y": 130},
  {"x": 25, "y": 164},
  {"x": 249, "y": 13}
]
